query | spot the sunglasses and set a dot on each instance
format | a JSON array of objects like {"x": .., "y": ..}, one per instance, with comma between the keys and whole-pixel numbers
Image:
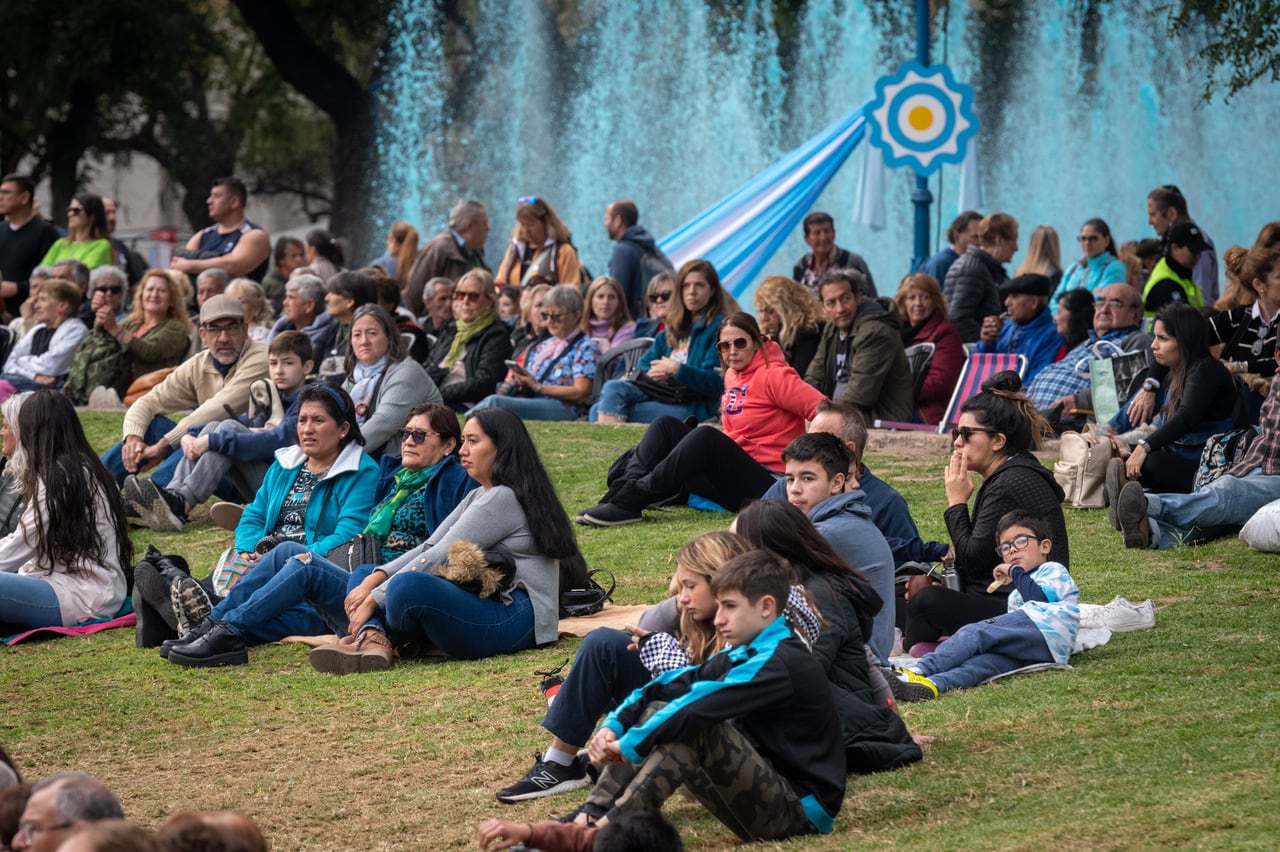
[
  {"x": 546, "y": 317},
  {"x": 461, "y": 296},
  {"x": 1013, "y": 545},
  {"x": 74, "y": 211},
  {"x": 416, "y": 436},
  {"x": 112, "y": 290},
  {"x": 964, "y": 433},
  {"x": 736, "y": 343},
  {"x": 527, "y": 199},
  {"x": 664, "y": 296}
]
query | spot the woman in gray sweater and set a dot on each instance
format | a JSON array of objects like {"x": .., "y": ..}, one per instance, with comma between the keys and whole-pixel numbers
[{"x": 516, "y": 507}]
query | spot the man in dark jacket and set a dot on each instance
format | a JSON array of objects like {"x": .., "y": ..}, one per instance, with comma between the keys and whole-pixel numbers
[
  {"x": 636, "y": 258},
  {"x": 1030, "y": 329},
  {"x": 449, "y": 253},
  {"x": 23, "y": 242},
  {"x": 861, "y": 360},
  {"x": 826, "y": 256}
]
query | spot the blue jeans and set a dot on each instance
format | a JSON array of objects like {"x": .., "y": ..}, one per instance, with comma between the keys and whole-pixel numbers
[
  {"x": 27, "y": 602},
  {"x": 604, "y": 673},
  {"x": 626, "y": 400},
  {"x": 984, "y": 649},
  {"x": 161, "y": 473},
  {"x": 463, "y": 626},
  {"x": 1219, "y": 508},
  {"x": 528, "y": 407},
  {"x": 275, "y": 598},
  {"x": 23, "y": 384}
]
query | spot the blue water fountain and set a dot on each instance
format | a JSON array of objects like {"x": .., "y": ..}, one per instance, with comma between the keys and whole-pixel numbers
[{"x": 1084, "y": 109}]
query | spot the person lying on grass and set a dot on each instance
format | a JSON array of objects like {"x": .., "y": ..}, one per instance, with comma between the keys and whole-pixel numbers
[
  {"x": 611, "y": 664},
  {"x": 1040, "y": 626},
  {"x": 405, "y": 603},
  {"x": 425, "y": 489},
  {"x": 752, "y": 733}
]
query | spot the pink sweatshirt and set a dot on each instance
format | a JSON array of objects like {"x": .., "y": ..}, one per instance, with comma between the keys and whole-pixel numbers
[{"x": 766, "y": 405}]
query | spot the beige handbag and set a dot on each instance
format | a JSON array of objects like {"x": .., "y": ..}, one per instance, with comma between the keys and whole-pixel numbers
[{"x": 1081, "y": 468}]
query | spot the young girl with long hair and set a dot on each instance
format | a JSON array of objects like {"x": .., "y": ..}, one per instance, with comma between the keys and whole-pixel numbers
[{"x": 65, "y": 562}]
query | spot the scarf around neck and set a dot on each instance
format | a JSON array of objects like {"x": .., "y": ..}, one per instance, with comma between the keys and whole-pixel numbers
[
  {"x": 406, "y": 483},
  {"x": 467, "y": 330}
]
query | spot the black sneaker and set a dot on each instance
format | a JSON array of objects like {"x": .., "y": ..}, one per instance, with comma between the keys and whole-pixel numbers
[
  {"x": 609, "y": 515},
  {"x": 160, "y": 509},
  {"x": 545, "y": 779},
  {"x": 191, "y": 604}
]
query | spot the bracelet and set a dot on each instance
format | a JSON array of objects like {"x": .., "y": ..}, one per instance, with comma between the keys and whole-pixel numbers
[{"x": 1146, "y": 448}]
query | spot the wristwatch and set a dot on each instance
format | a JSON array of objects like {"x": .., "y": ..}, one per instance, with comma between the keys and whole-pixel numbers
[
  {"x": 1146, "y": 448},
  {"x": 1150, "y": 385}
]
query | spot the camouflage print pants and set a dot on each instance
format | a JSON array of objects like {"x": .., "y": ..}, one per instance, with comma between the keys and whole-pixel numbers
[{"x": 719, "y": 768}]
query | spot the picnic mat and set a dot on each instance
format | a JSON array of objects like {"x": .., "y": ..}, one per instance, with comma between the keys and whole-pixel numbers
[
  {"x": 78, "y": 630},
  {"x": 610, "y": 616}
]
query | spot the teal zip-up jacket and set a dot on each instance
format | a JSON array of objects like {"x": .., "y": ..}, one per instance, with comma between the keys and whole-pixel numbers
[
  {"x": 774, "y": 691},
  {"x": 699, "y": 373}
]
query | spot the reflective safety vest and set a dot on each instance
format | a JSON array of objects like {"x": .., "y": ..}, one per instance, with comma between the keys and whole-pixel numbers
[{"x": 1163, "y": 271}]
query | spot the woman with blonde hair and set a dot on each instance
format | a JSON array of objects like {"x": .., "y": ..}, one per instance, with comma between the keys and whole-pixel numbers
[
  {"x": 790, "y": 315},
  {"x": 607, "y": 320},
  {"x": 920, "y": 302},
  {"x": 540, "y": 245},
  {"x": 402, "y": 250},
  {"x": 610, "y": 664},
  {"x": 1044, "y": 255},
  {"x": 258, "y": 315}
]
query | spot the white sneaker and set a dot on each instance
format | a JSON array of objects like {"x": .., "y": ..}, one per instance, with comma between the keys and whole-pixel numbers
[{"x": 1120, "y": 616}]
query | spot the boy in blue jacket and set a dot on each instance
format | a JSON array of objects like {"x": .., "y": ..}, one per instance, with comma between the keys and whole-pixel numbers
[
  {"x": 1040, "y": 626},
  {"x": 752, "y": 733},
  {"x": 241, "y": 448}
]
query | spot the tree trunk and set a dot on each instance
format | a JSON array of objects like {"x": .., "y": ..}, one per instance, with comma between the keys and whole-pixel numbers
[{"x": 66, "y": 144}]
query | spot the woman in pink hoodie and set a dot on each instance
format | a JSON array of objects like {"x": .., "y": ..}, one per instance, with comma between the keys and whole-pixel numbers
[{"x": 765, "y": 404}]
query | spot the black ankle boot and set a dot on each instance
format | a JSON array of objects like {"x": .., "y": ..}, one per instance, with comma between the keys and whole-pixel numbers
[
  {"x": 217, "y": 647},
  {"x": 186, "y": 638}
]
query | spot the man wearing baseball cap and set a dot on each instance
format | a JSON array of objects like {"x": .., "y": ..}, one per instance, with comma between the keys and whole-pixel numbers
[
  {"x": 1171, "y": 279},
  {"x": 1029, "y": 330},
  {"x": 210, "y": 384}
]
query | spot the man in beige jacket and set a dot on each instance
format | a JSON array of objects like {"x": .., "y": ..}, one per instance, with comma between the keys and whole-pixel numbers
[{"x": 209, "y": 384}]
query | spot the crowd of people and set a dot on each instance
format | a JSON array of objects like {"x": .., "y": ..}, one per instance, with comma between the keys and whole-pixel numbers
[{"x": 359, "y": 505}]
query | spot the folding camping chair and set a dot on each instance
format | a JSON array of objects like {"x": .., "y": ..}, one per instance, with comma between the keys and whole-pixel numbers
[{"x": 980, "y": 367}]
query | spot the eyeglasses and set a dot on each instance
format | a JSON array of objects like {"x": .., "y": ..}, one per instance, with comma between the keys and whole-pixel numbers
[
  {"x": 527, "y": 199},
  {"x": 1013, "y": 545},
  {"x": 74, "y": 211},
  {"x": 114, "y": 289},
  {"x": 1089, "y": 238},
  {"x": 463, "y": 296},
  {"x": 964, "y": 433},
  {"x": 664, "y": 296},
  {"x": 418, "y": 436},
  {"x": 1113, "y": 304},
  {"x": 219, "y": 330},
  {"x": 736, "y": 343},
  {"x": 546, "y": 317},
  {"x": 27, "y": 829}
]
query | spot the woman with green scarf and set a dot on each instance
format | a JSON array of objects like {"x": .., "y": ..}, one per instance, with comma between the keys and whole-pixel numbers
[
  {"x": 467, "y": 360},
  {"x": 427, "y": 487}
]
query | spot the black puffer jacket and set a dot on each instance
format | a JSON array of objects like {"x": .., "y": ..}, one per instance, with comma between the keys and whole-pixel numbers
[
  {"x": 1021, "y": 482},
  {"x": 875, "y": 738},
  {"x": 483, "y": 358},
  {"x": 970, "y": 291}
]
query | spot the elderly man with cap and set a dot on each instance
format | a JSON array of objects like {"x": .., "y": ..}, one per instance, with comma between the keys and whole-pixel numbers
[
  {"x": 1171, "y": 280},
  {"x": 209, "y": 384},
  {"x": 1029, "y": 328}
]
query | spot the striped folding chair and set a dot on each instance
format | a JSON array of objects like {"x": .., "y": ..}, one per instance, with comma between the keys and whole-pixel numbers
[{"x": 980, "y": 367}]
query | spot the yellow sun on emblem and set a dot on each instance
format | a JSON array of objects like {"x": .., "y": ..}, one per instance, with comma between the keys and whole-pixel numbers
[{"x": 920, "y": 118}]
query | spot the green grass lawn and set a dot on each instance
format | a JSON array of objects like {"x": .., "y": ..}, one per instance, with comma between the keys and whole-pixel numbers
[{"x": 1164, "y": 737}]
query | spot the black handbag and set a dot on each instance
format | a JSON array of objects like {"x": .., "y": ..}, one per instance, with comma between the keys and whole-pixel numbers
[
  {"x": 580, "y": 593},
  {"x": 669, "y": 393},
  {"x": 364, "y": 549}
]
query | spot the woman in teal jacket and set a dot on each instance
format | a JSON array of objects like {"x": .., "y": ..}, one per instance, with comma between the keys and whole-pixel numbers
[
  {"x": 1099, "y": 267},
  {"x": 682, "y": 362},
  {"x": 319, "y": 493}
]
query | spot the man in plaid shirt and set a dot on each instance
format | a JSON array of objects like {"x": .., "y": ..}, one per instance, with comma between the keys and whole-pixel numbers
[
  {"x": 1219, "y": 508},
  {"x": 1117, "y": 328}
]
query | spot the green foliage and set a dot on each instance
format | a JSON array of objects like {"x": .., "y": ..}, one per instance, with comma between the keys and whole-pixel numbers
[{"x": 1241, "y": 41}]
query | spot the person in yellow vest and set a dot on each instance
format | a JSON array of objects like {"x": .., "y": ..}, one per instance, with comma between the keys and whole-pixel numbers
[{"x": 1171, "y": 280}]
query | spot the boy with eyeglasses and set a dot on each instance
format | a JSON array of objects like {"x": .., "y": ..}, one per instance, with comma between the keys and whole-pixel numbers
[{"x": 1040, "y": 626}]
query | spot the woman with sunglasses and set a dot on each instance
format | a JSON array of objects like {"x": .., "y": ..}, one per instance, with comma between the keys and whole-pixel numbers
[
  {"x": 426, "y": 489},
  {"x": 540, "y": 245},
  {"x": 156, "y": 334},
  {"x": 997, "y": 430},
  {"x": 86, "y": 239},
  {"x": 556, "y": 379},
  {"x": 765, "y": 404},
  {"x": 657, "y": 300},
  {"x": 1099, "y": 267},
  {"x": 468, "y": 358}
]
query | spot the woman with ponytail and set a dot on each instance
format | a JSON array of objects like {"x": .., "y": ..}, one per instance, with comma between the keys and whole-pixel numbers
[{"x": 997, "y": 430}]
